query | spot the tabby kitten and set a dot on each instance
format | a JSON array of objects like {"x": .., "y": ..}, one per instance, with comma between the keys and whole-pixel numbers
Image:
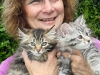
[
  {"x": 76, "y": 35},
  {"x": 37, "y": 43}
]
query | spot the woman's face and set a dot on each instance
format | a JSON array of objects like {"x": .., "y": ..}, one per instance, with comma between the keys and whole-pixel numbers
[{"x": 44, "y": 13}]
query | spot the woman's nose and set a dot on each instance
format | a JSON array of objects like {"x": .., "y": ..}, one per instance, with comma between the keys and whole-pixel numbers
[{"x": 48, "y": 7}]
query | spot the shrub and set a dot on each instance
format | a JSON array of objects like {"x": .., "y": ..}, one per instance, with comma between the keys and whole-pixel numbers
[
  {"x": 91, "y": 10},
  {"x": 7, "y": 44}
]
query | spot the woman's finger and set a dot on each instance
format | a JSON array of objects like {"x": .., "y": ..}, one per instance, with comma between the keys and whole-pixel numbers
[
  {"x": 78, "y": 69},
  {"x": 72, "y": 56}
]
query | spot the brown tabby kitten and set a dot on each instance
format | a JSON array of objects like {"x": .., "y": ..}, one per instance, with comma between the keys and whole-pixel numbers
[{"x": 37, "y": 43}]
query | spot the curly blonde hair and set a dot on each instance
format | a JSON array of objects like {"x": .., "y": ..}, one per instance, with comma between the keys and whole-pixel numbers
[{"x": 14, "y": 14}]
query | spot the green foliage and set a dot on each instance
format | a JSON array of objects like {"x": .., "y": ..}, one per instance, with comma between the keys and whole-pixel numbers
[
  {"x": 7, "y": 44},
  {"x": 91, "y": 11},
  {"x": 90, "y": 8}
]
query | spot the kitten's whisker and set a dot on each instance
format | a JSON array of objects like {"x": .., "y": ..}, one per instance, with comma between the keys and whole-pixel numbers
[{"x": 30, "y": 53}]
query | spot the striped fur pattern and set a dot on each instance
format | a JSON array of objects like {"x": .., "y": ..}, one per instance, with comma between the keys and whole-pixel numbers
[
  {"x": 76, "y": 35},
  {"x": 37, "y": 43}
]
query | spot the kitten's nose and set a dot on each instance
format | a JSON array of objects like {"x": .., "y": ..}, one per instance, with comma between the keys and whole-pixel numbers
[
  {"x": 38, "y": 50},
  {"x": 88, "y": 40}
]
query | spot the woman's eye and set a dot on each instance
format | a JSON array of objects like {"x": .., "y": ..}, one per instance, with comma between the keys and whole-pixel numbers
[
  {"x": 44, "y": 43},
  {"x": 34, "y": 1},
  {"x": 32, "y": 44}
]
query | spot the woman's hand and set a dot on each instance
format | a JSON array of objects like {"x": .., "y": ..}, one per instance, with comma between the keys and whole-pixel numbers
[
  {"x": 79, "y": 64},
  {"x": 42, "y": 68}
]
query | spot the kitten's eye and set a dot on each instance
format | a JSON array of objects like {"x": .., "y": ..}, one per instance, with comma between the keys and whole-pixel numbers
[
  {"x": 80, "y": 36},
  {"x": 87, "y": 34},
  {"x": 44, "y": 43},
  {"x": 34, "y": 1},
  {"x": 32, "y": 43}
]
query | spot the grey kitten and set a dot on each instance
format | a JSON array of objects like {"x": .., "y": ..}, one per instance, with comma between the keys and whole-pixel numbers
[
  {"x": 76, "y": 35},
  {"x": 37, "y": 43}
]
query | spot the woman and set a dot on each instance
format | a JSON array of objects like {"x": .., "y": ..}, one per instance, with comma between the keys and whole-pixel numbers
[{"x": 42, "y": 14}]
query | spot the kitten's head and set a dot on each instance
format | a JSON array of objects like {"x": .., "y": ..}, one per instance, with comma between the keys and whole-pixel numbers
[
  {"x": 76, "y": 33},
  {"x": 38, "y": 41}
]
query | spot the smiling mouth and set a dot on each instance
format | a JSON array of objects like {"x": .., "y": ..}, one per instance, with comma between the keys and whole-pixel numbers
[{"x": 47, "y": 19}]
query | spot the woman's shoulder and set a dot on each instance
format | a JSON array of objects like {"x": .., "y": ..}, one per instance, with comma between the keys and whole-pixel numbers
[
  {"x": 96, "y": 43},
  {"x": 4, "y": 66}
]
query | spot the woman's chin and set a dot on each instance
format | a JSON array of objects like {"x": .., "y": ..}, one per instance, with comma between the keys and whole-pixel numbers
[{"x": 47, "y": 25}]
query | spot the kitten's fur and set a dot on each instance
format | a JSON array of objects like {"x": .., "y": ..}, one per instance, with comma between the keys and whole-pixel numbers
[
  {"x": 36, "y": 42},
  {"x": 76, "y": 35}
]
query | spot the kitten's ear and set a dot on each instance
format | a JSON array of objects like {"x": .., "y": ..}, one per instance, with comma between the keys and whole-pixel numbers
[
  {"x": 51, "y": 31},
  {"x": 80, "y": 20},
  {"x": 65, "y": 29},
  {"x": 22, "y": 33},
  {"x": 25, "y": 30}
]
